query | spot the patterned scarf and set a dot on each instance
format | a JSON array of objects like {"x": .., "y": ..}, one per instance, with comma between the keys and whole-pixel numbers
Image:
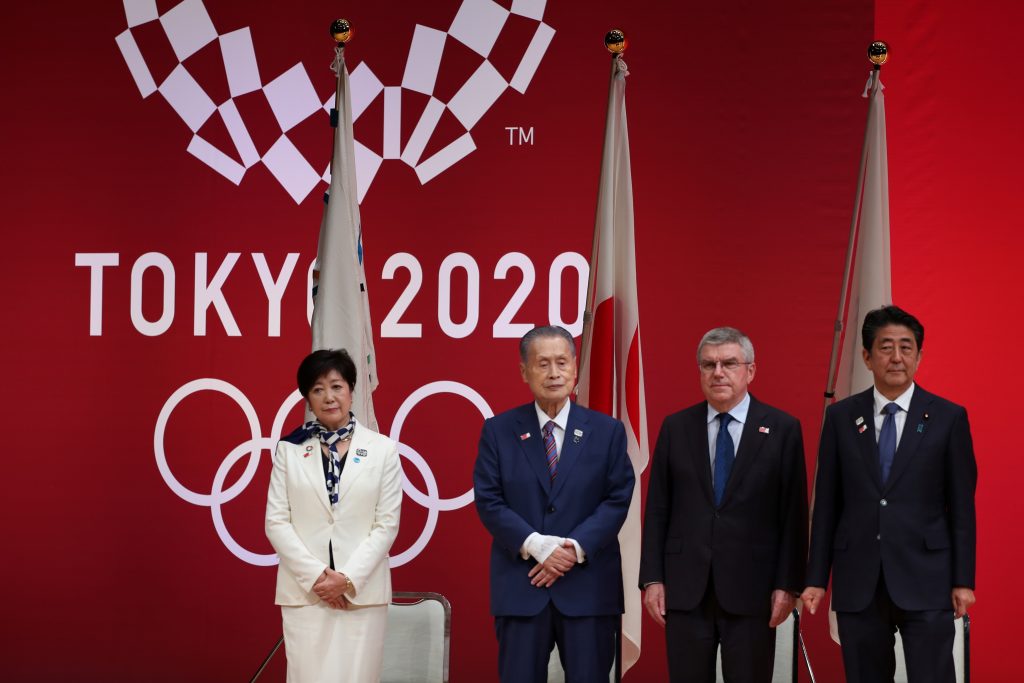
[{"x": 331, "y": 439}]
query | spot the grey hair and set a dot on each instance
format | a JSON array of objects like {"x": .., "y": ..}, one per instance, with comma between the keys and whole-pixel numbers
[
  {"x": 544, "y": 331},
  {"x": 727, "y": 335}
]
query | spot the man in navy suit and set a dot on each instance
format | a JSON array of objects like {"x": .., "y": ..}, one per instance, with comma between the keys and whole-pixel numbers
[
  {"x": 553, "y": 484},
  {"x": 894, "y": 513},
  {"x": 725, "y": 531}
]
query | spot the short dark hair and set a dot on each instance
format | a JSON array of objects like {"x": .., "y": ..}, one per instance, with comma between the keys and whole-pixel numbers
[
  {"x": 320, "y": 363},
  {"x": 544, "y": 331},
  {"x": 889, "y": 315}
]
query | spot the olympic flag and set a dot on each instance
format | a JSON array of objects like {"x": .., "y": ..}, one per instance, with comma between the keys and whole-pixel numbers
[
  {"x": 611, "y": 373},
  {"x": 868, "y": 275},
  {"x": 341, "y": 305}
]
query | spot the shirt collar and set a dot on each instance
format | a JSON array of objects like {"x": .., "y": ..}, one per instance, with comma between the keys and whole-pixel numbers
[
  {"x": 560, "y": 420},
  {"x": 903, "y": 400},
  {"x": 738, "y": 412}
]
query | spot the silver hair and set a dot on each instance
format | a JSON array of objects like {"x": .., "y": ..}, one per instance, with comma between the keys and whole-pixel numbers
[
  {"x": 545, "y": 331},
  {"x": 727, "y": 335}
]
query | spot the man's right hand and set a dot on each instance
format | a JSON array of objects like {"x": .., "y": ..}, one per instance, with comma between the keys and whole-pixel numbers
[
  {"x": 560, "y": 561},
  {"x": 812, "y": 597},
  {"x": 654, "y": 601}
]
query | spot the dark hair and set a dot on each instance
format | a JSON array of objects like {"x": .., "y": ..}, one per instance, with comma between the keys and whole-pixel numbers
[
  {"x": 320, "y": 363},
  {"x": 544, "y": 331},
  {"x": 889, "y": 315}
]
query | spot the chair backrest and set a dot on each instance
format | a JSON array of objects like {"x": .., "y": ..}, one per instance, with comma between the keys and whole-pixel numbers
[
  {"x": 961, "y": 652},
  {"x": 786, "y": 651},
  {"x": 418, "y": 640}
]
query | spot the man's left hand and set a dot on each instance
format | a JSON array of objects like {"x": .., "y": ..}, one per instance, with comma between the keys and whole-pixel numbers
[
  {"x": 560, "y": 561},
  {"x": 963, "y": 598},
  {"x": 783, "y": 603}
]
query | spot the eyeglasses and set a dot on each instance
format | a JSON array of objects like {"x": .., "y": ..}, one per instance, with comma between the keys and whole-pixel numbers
[{"x": 731, "y": 365}]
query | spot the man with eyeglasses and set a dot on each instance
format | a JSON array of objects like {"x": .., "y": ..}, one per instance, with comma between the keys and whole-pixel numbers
[
  {"x": 725, "y": 530},
  {"x": 894, "y": 516}
]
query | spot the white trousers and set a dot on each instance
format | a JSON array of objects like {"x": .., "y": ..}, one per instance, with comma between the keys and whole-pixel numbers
[{"x": 326, "y": 645}]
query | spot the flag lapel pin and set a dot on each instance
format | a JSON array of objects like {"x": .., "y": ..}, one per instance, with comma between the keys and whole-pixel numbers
[
  {"x": 920, "y": 427},
  {"x": 862, "y": 429},
  {"x": 764, "y": 430},
  {"x": 524, "y": 437},
  {"x": 577, "y": 434},
  {"x": 309, "y": 449},
  {"x": 859, "y": 421}
]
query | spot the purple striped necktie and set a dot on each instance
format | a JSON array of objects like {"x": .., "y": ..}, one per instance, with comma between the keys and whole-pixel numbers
[{"x": 550, "y": 448}]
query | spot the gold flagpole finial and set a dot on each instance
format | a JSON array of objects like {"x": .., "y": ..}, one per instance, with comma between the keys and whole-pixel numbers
[
  {"x": 341, "y": 31},
  {"x": 878, "y": 53},
  {"x": 615, "y": 41}
]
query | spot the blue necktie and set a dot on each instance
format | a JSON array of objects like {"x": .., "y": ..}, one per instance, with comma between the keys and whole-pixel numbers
[
  {"x": 887, "y": 439},
  {"x": 725, "y": 456},
  {"x": 550, "y": 448}
]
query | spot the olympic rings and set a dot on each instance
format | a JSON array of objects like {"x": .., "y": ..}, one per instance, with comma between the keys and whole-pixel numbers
[{"x": 257, "y": 443}]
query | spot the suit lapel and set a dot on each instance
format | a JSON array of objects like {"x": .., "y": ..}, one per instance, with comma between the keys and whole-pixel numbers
[
  {"x": 751, "y": 440},
  {"x": 572, "y": 446},
  {"x": 355, "y": 462},
  {"x": 312, "y": 467},
  {"x": 913, "y": 433},
  {"x": 864, "y": 407},
  {"x": 700, "y": 450},
  {"x": 531, "y": 443}
]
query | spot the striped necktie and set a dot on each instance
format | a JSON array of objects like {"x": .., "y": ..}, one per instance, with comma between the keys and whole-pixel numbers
[{"x": 550, "y": 448}]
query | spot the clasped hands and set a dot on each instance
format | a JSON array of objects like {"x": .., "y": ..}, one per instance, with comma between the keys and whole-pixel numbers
[
  {"x": 555, "y": 566},
  {"x": 331, "y": 587}
]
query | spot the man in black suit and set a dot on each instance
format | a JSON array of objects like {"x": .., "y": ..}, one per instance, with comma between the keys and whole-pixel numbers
[
  {"x": 894, "y": 513},
  {"x": 725, "y": 529}
]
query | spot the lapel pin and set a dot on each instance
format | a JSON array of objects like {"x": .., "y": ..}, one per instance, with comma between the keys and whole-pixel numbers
[
  {"x": 577, "y": 434},
  {"x": 360, "y": 452},
  {"x": 926, "y": 416},
  {"x": 863, "y": 428},
  {"x": 763, "y": 430},
  {"x": 920, "y": 427},
  {"x": 309, "y": 449},
  {"x": 524, "y": 437},
  {"x": 859, "y": 421},
  {"x": 356, "y": 459}
]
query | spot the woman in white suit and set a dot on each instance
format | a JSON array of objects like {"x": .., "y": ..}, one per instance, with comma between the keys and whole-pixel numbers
[{"x": 332, "y": 515}]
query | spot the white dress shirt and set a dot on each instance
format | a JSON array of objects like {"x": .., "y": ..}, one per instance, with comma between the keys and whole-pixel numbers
[
  {"x": 903, "y": 401},
  {"x": 735, "y": 427}
]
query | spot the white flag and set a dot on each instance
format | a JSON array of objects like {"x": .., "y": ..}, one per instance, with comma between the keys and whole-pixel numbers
[
  {"x": 611, "y": 376},
  {"x": 341, "y": 305},
  {"x": 869, "y": 279}
]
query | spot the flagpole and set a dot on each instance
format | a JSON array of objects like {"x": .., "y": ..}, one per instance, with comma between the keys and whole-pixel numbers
[
  {"x": 615, "y": 42},
  {"x": 878, "y": 53}
]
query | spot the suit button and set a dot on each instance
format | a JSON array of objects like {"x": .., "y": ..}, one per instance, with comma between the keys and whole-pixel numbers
[
  {"x": 551, "y": 508},
  {"x": 883, "y": 502}
]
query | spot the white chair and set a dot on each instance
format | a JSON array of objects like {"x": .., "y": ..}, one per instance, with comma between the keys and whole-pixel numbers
[
  {"x": 786, "y": 651},
  {"x": 418, "y": 640},
  {"x": 961, "y": 652}
]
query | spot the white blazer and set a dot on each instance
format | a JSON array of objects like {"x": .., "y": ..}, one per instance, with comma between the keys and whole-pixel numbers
[{"x": 361, "y": 528}]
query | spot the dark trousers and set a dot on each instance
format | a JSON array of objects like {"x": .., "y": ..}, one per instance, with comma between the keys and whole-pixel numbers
[
  {"x": 693, "y": 637},
  {"x": 586, "y": 646},
  {"x": 869, "y": 637}
]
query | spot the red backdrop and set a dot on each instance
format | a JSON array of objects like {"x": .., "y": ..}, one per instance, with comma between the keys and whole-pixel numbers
[{"x": 746, "y": 123}]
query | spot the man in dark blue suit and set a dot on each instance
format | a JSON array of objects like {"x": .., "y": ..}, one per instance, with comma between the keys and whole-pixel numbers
[
  {"x": 894, "y": 513},
  {"x": 553, "y": 484}
]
